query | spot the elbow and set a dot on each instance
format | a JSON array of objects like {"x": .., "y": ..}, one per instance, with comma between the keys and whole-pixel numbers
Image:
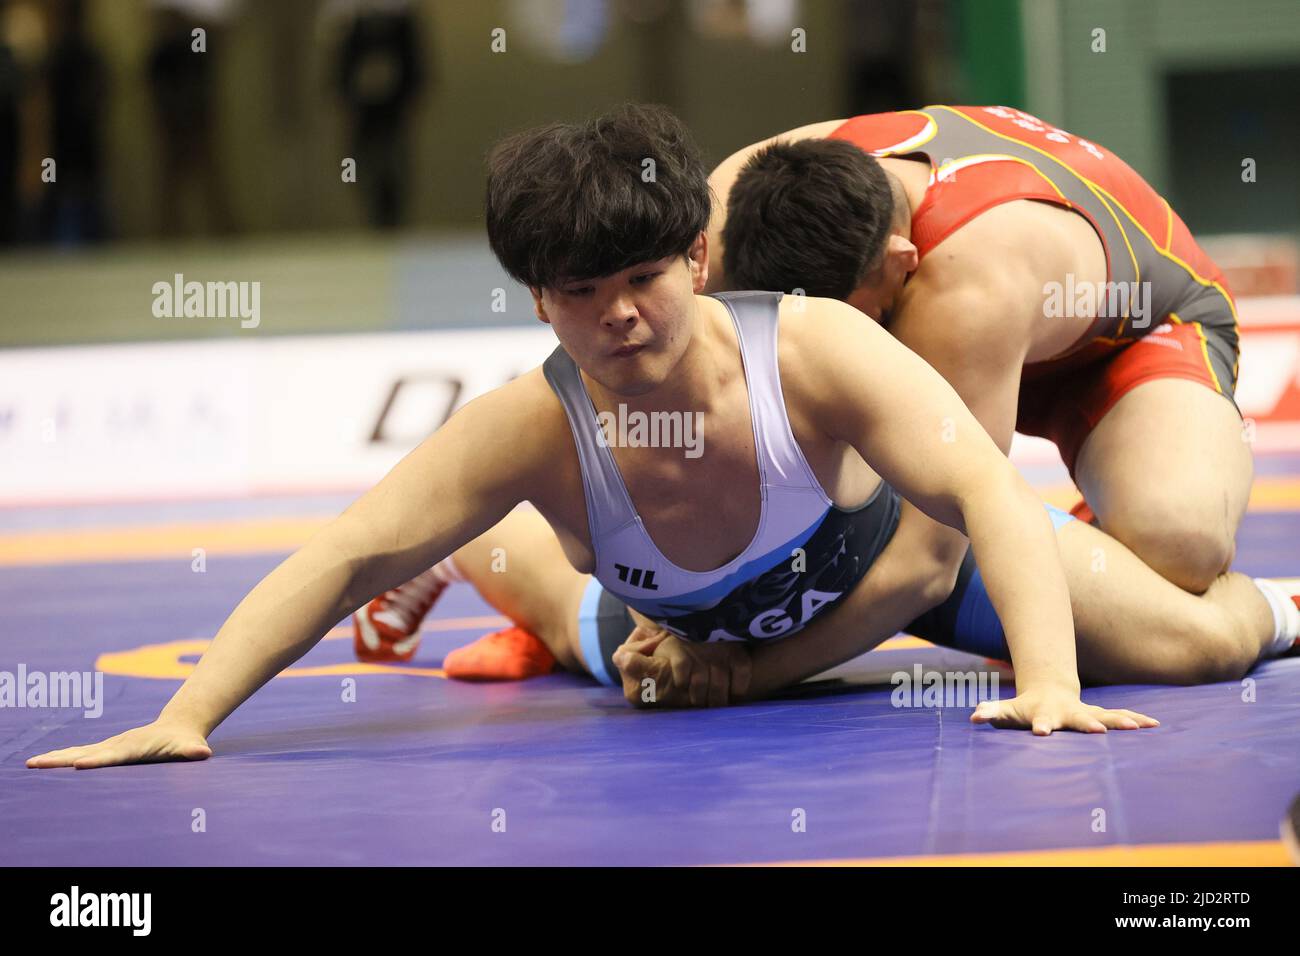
[
  {"x": 932, "y": 556},
  {"x": 933, "y": 572},
  {"x": 999, "y": 489},
  {"x": 941, "y": 571},
  {"x": 1015, "y": 484}
]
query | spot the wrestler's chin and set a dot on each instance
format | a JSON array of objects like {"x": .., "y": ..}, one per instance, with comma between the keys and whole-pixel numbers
[
  {"x": 626, "y": 386},
  {"x": 630, "y": 380}
]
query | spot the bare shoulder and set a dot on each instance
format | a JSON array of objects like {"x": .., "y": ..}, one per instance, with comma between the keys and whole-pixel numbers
[
  {"x": 516, "y": 396},
  {"x": 816, "y": 338},
  {"x": 524, "y": 412},
  {"x": 1001, "y": 251},
  {"x": 725, "y": 174},
  {"x": 966, "y": 292},
  {"x": 818, "y": 130},
  {"x": 519, "y": 429},
  {"x": 809, "y": 324}
]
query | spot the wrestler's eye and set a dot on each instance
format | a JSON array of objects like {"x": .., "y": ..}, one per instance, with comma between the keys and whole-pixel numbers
[
  {"x": 580, "y": 290},
  {"x": 644, "y": 278}
]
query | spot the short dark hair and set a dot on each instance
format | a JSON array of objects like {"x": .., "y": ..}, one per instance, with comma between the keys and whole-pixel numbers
[
  {"x": 813, "y": 214},
  {"x": 572, "y": 201}
]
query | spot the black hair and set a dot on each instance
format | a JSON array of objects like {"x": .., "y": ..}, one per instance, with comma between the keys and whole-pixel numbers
[
  {"x": 813, "y": 214},
  {"x": 580, "y": 201}
]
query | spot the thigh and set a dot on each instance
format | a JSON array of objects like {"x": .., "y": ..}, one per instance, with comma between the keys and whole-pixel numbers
[
  {"x": 1171, "y": 451},
  {"x": 1131, "y": 625},
  {"x": 520, "y": 568}
]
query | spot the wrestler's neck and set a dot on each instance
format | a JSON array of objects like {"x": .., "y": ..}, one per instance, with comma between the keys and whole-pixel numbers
[
  {"x": 710, "y": 363},
  {"x": 912, "y": 177}
]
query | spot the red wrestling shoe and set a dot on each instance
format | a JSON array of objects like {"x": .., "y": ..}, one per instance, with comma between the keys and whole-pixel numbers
[
  {"x": 512, "y": 654},
  {"x": 388, "y": 628}
]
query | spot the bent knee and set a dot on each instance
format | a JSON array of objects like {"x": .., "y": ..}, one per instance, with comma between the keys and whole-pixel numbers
[
  {"x": 1188, "y": 555},
  {"x": 1227, "y": 662},
  {"x": 1209, "y": 647}
]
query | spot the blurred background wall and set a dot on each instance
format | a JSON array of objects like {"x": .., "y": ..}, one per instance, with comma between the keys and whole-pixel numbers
[
  {"x": 281, "y": 121},
  {"x": 228, "y": 161}
]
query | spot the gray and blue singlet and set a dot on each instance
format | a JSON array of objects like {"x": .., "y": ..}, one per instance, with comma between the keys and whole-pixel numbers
[{"x": 805, "y": 556}]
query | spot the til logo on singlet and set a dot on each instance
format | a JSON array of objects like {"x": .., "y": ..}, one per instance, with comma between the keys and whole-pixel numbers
[{"x": 637, "y": 577}]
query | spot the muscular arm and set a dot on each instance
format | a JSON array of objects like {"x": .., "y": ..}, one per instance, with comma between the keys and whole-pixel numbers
[
  {"x": 975, "y": 334},
  {"x": 982, "y": 360},
  {"x": 457, "y": 483},
  {"x": 912, "y": 427},
  {"x": 917, "y": 570}
]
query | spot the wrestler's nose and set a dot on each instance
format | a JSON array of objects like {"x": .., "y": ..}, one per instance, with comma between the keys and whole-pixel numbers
[{"x": 620, "y": 314}]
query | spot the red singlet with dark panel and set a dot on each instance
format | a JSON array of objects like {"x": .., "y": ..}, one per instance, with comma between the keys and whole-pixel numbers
[{"x": 981, "y": 156}]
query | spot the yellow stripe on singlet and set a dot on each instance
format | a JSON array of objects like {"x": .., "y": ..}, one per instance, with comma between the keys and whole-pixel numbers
[
  {"x": 976, "y": 158},
  {"x": 1205, "y": 348},
  {"x": 1097, "y": 189},
  {"x": 1137, "y": 270},
  {"x": 907, "y": 146}
]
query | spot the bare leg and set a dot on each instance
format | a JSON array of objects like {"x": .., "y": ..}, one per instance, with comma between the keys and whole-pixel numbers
[
  {"x": 1133, "y": 626},
  {"x": 520, "y": 569},
  {"x": 1167, "y": 472}
]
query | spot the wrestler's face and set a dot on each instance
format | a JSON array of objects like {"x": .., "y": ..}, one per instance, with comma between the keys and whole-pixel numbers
[
  {"x": 628, "y": 330},
  {"x": 879, "y": 292}
]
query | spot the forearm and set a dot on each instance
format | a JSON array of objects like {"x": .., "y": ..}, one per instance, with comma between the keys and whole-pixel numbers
[
  {"x": 1016, "y": 550},
  {"x": 281, "y": 619},
  {"x": 914, "y": 573},
  {"x": 454, "y": 486}
]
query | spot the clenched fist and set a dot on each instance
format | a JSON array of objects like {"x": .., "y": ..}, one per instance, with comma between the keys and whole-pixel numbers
[{"x": 661, "y": 670}]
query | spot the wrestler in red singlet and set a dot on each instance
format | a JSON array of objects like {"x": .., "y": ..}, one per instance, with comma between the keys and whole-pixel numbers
[{"x": 1003, "y": 155}]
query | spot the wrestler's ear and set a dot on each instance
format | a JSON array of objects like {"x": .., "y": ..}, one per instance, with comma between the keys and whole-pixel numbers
[
  {"x": 697, "y": 260},
  {"x": 902, "y": 253},
  {"x": 538, "y": 305}
]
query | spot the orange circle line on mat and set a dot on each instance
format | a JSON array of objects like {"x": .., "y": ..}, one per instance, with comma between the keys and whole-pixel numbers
[{"x": 163, "y": 661}]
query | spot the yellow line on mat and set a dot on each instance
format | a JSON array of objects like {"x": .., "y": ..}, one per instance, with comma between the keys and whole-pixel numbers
[
  {"x": 1257, "y": 853},
  {"x": 159, "y": 542},
  {"x": 164, "y": 542}
]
